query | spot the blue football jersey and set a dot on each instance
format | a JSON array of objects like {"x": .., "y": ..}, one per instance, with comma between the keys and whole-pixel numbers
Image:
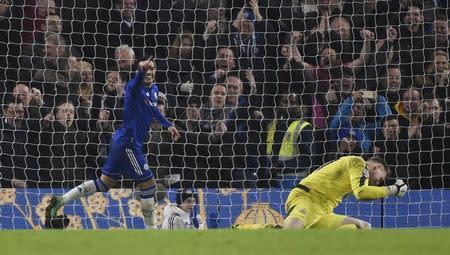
[{"x": 140, "y": 109}]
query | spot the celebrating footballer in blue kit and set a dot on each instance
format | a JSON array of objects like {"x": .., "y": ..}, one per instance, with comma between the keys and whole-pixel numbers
[{"x": 125, "y": 156}]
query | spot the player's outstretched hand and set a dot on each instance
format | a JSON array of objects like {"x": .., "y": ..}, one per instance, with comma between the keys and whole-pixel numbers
[
  {"x": 399, "y": 189},
  {"x": 147, "y": 64},
  {"x": 174, "y": 132}
]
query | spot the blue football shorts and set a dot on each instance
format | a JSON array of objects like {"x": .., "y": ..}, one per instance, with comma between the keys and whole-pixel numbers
[{"x": 126, "y": 159}]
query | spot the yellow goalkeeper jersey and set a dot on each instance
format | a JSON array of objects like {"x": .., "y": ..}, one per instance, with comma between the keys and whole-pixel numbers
[{"x": 331, "y": 182}]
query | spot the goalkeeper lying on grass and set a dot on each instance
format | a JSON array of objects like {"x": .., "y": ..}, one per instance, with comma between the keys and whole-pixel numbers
[{"x": 310, "y": 204}]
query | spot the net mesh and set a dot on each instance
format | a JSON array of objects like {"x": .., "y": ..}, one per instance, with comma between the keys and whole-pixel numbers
[{"x": 263, "y": 92}]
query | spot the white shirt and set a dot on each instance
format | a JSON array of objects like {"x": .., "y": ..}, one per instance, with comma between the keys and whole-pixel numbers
[{"x": 176, "y": 218}]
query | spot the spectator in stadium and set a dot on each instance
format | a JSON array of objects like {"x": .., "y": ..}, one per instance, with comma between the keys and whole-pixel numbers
[
  {"x": 190, "y": 122},
  {"x": 126, "y": 25},
  {"x": 33, "y": 104},
  {"x": 310, "y": 204},
  {"x": 330, "y": 57},
  {"x": 89, "y": 97},
  {"x": 181, "y": 72},
  {"x": 317, "y": 26},
  {"x": 274, "y": 132},
  {"x": 410, "y": 44},
  {"x": 216, "y": 26},
  {"x": 244, "y": 122},
  {"x": 284, "y": 61},
  {"x": 342, "y": 85},
  {"x": 17, "y": 147},
  {"x": 214, "y": 114},
  {"x": 126, "y": 157},
  {"x": 110, "y": 115},
  {"x": 52, "y": 24},
  {"x": 391, "y": 148},
  {"x": 433, "y": 113},
  {"x": 362, "y": 113},
  {"x": 11, "y": 16},
  {"x": 64, "y": 149},
  {"x": 409, "y": 110},
  {"x": 369, "y": 14},
  {"x": 125, "y": 59},
  {"x": 342, "y": 31},
  {"x": 179, "y": 215},
  {"x": 431, "y": 145},
  {"x": 84, "y": 109},
  {"x": 346, "y": 146},
  {"x": 391, "y": 85},
  {"x": 441, "y": 32},
  {"x": 252, "y": 39},
  {"x": 436, "y": 77},
  {"x": 390, "y": 132},
  {"x": 235, "y": 89},
  {"x": 296, "y": 148},
  {"x": 35, "y": 12},
  {"x": 224, "y": 62},
  {"x": 86, "y": 71},
  {"x": 56, "y": 70},
  {"x": 23, "y": 95},
  {"x": 328, "y": 61},
  {"x": 194, "y": 144}
]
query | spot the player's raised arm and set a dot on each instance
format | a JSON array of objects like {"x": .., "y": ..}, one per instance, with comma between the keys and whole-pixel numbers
[
  {"x": 144, "y": 76},
  {"x": 365, "y": 176}
]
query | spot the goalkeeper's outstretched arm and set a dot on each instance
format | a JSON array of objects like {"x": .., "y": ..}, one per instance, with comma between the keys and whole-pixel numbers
[{"x": 365, "y": 183}]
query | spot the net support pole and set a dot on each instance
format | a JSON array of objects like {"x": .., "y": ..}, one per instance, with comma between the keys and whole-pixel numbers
[{"x": 382, "y": 213}]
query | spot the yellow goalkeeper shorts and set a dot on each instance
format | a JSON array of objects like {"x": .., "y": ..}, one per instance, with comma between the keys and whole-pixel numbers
[{"x": 302, "y": 205}]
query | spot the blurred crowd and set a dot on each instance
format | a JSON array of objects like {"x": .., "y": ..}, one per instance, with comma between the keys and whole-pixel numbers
[{"x": 261, "y": 90}]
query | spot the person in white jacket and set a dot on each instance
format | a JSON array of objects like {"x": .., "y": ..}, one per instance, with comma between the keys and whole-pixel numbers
[{"x": 178, "y": 216}]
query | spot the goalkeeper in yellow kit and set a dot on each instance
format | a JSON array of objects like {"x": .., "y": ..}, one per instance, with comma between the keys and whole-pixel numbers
[{"x": 310, "y": 204}]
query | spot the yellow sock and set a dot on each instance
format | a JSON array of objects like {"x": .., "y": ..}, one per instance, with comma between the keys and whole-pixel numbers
[{"x": 348, "y": 226}]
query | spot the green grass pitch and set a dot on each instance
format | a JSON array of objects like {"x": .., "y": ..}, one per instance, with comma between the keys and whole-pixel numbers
[{"x": 215, "y": 242}]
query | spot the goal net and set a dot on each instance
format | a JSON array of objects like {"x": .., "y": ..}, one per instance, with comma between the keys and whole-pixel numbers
[{"x": 263, "y": 93}]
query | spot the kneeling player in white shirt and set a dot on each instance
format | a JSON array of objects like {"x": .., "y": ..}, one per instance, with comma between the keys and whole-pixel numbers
[{"x": 178, "y": 216}]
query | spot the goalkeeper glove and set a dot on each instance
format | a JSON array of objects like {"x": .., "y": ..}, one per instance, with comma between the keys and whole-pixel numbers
[{"x": 398, "y": 189}]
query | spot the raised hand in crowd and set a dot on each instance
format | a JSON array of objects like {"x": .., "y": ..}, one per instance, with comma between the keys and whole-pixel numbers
[
  {"x": 48, "y": 120},
  {"x": 187, "y": 87},
  {"x": 255, "y": 8},
  {"x": 357, "y": 96},
  {"x": 211, "y": 26},
  {"x": 36, "y": 97},
  {"x": 220, "y": 73},
  {"x": 331, "y": 96},
  {"x": 367, "y": 34},
  {"x": 221, "y": 127},
  {"x": 103, "y": 119},
  {"x": 391, "y": 34}
]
